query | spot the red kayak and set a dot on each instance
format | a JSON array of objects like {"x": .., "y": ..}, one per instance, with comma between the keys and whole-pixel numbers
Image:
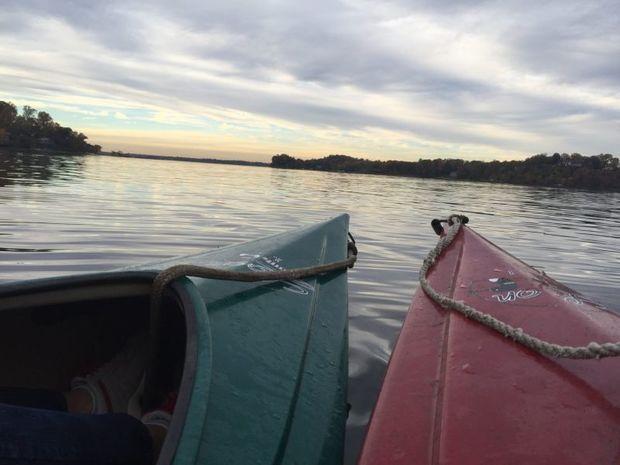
[{"x": 458, "y": 392}]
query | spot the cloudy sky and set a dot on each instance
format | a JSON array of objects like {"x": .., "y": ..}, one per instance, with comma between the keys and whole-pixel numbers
[{"x": 382, "y": 79}]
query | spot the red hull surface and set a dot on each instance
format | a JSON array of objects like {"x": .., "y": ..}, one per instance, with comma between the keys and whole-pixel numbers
[{"x": 457, "y": 392}]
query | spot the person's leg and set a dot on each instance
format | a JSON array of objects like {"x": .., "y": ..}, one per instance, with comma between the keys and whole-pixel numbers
[
  {"x": 36, "y": 436},
  {"x": 33, "y": 398}
]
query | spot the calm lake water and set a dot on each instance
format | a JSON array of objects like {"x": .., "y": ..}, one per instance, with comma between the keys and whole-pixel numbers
[{"x": 62, "y": 215}]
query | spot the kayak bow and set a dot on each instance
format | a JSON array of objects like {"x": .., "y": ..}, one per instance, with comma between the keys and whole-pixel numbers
[{"x": 457, "y": 392}]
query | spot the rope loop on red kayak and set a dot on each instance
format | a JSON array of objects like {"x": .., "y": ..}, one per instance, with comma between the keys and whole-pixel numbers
[{"x": 590, "y": 351}]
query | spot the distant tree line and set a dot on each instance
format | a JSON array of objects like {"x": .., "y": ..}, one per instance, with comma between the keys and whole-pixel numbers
[
  {"x": 37, "y": 130},
  {"x": 119, "y": 153},
  {"x": 597, "y": 172}
]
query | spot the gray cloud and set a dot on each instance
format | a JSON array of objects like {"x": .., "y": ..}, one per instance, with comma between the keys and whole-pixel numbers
[{"x": 540, "y": 74}]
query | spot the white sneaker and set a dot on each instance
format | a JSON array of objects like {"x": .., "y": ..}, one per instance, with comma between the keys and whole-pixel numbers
[
  {"x": 118, "y": 384},
  {"x": 162, "y": 416}
]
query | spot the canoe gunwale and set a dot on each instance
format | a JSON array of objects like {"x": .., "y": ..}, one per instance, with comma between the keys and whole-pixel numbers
[
  {"x": 195, "y": 315},
  {"x": 67, "y": 289}
]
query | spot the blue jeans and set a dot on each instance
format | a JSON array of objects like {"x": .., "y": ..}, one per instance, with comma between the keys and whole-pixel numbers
[{"x": 36, "y": 429}]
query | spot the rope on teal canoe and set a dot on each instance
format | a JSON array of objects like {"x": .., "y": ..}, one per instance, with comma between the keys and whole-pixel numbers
[
  {"x": 168, "y": 275},
  {"x": 590, "y": 351},
  {"x": 165, "y": 277}
]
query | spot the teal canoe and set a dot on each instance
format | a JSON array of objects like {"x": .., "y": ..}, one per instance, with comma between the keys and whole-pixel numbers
[{"x": 261, "y": 368}]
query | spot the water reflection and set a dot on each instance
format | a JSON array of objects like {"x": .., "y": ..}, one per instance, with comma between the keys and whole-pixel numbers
[
  {"x": 96, "y": 213},
  {"x": 37, "y": 168}
]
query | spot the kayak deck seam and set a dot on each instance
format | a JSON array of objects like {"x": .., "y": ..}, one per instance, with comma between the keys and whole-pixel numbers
[{"x": 437, "y": 414}]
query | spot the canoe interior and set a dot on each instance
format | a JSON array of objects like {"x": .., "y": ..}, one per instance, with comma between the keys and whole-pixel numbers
[{"x": 45, "y": 346}]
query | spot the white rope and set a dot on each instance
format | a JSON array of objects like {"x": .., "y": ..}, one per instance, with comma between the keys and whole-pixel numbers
[{"x": 592, "y": 350}]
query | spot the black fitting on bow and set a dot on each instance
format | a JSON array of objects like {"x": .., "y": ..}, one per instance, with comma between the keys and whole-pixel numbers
[
  {"x": 351, "y": 248},
  {"x": 438, "y": 228}
]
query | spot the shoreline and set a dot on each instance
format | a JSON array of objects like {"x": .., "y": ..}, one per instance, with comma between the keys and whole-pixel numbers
[
  {"x": 614, "y": 189},
  {"x": 370, "y": 173},
  {"x": 181, "y": 158}
]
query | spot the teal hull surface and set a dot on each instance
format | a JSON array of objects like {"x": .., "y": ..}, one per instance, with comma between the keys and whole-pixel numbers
[{"x": 270, "y": 384}]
